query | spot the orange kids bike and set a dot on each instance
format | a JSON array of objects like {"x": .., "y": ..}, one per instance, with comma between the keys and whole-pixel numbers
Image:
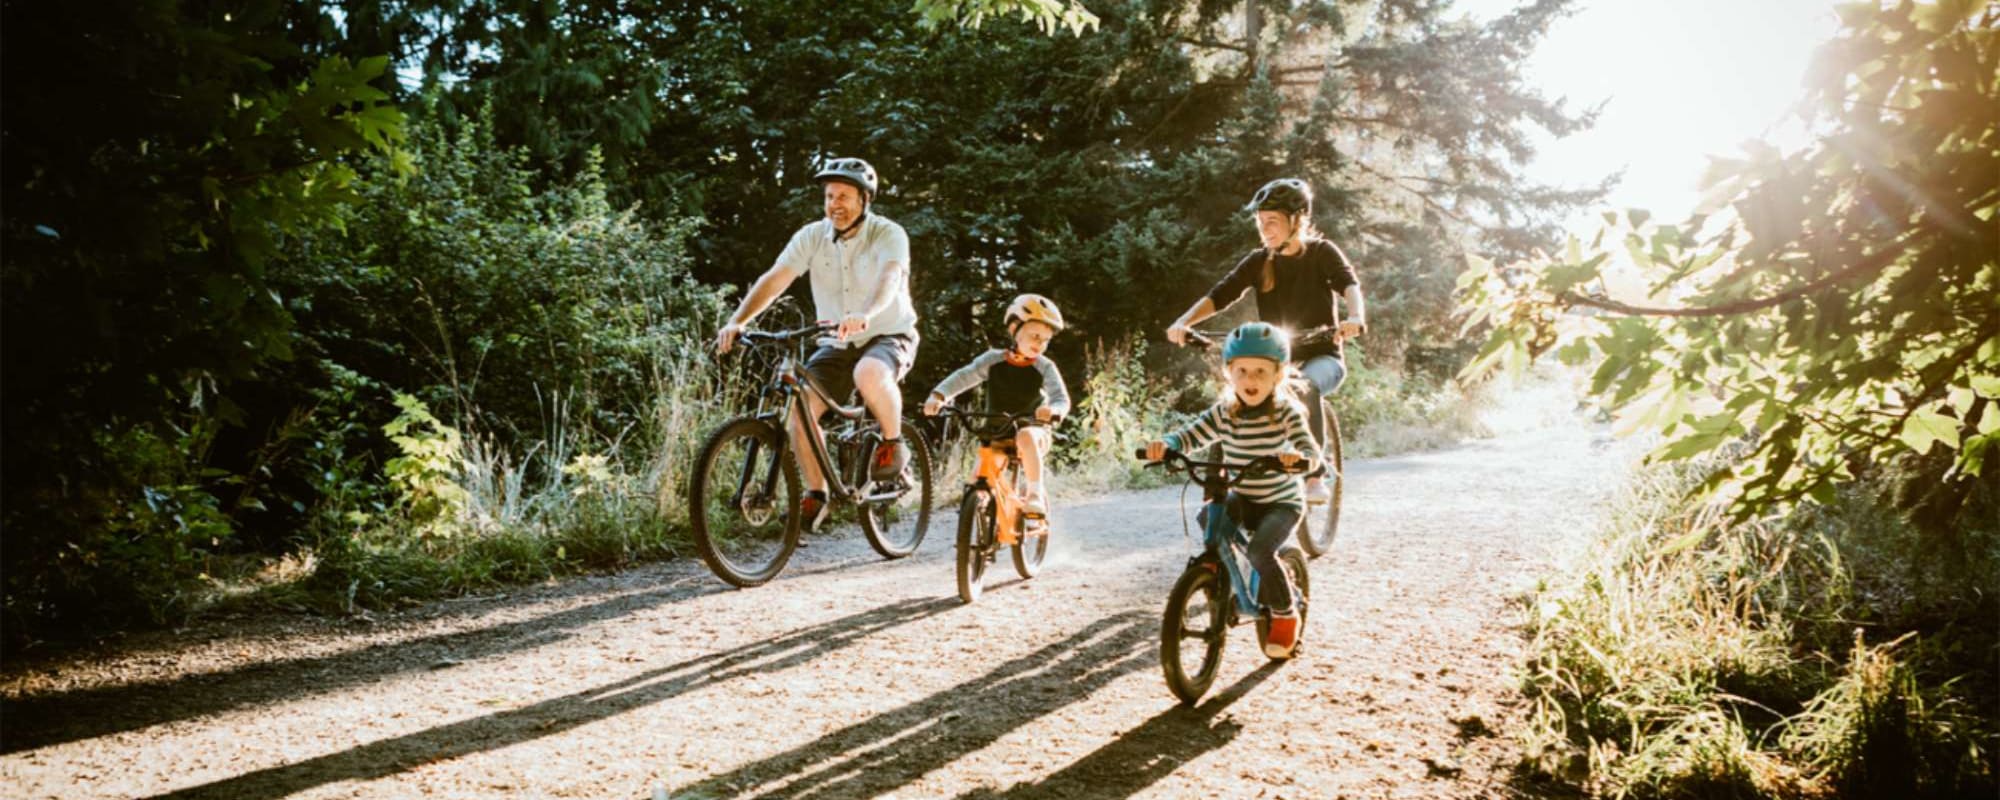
[{"x": 990, "y": 515}]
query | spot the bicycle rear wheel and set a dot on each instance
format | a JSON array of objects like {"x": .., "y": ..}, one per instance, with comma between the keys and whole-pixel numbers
[
  {"x": 1319, "y": 525},
  {"x": 1029, "y": 550},
  {"x": 896, "y": 524},
  {"x": 975, "y": 541},
  {"x": 1193, "y": 632},
  {"x": 740, "y": 502}
]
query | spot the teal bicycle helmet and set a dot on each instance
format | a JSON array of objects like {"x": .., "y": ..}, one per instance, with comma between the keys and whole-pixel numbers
[{"x": 1257, "y": 340}]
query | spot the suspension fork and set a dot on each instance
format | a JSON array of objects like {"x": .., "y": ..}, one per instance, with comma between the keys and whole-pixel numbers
[{"x": 748, "y": 474}]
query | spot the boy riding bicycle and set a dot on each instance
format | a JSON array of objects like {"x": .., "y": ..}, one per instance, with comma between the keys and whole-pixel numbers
[
  {"x": 1019, "y": 380},
  {"x": 1254, "y": 419}
]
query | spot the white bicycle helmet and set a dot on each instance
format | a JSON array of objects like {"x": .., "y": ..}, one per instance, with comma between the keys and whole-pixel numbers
[
  {"x": 1034, "y": 308},
  {"x": 851, "y": 171}
]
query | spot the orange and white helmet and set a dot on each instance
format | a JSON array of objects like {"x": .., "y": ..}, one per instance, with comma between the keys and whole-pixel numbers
[{"x": 1034, "y": 308}]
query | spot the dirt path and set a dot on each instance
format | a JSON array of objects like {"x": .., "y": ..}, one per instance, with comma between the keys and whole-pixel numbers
[{"x": 850, "y": 677}]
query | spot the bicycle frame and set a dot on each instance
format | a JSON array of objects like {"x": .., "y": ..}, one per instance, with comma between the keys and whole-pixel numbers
[
  {"x": 791, "y": 384},
  {"x": 990, "y": 474},
  {"x": 1222, "y": 534}
]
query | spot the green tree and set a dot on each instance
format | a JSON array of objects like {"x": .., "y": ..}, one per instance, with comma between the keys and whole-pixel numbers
[
  {"x": 155, "y": 159},
  {"x": 1842, "y": 312},
  {"x": 1083, "y": 166}
]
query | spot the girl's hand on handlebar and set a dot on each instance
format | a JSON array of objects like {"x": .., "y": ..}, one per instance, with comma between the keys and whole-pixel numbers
[
  {"x": 932, "y": 405},
  {"x": 1044, "y": 414},
  {"x": 1177, "y": 333},
  {"x": 1291, "y": 461},
  {"x": 1156, "y": 450},
  {"x": 1351, "y": 329}
]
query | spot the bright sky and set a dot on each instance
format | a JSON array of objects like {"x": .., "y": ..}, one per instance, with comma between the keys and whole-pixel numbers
[{"x": 1680, "y": 79}]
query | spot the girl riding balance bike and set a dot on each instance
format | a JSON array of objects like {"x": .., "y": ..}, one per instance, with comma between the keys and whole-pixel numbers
[{"x": 1255, "y": 421}]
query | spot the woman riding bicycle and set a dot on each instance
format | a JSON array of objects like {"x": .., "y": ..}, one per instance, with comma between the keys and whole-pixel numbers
[{"x": 1296, "y": 274}]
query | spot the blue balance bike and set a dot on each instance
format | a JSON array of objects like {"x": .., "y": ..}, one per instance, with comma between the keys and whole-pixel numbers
[{"x": 1219, "y": 589}]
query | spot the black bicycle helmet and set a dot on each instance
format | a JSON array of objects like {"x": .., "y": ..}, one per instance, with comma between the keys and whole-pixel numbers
[
  {"x": 1289, "y": 195},
  {"x": 852, "y": 171}
]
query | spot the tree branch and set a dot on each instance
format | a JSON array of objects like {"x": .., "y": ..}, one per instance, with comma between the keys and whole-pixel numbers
[
  {"x": 1220, "y": 45},
  {"x": 1428, "y": 200},
  {"x": 1872, "y": 263},
  {"x": 1319, "y": 67}
]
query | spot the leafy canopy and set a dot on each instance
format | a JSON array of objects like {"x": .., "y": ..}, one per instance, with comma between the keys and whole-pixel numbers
[{"x": 1842, "y": 312}]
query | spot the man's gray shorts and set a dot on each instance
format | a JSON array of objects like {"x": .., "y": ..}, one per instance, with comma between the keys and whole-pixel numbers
[{"x": 833, "y": 365}]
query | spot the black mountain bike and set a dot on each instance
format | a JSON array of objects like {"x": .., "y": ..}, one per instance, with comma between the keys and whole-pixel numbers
[{"x": 746, "y": 484}]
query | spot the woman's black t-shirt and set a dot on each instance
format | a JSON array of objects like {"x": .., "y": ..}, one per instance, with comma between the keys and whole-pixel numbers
[{"x": 1301, "y": 297}]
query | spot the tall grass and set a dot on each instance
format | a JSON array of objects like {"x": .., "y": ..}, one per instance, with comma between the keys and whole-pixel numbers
[
  {"x": 574, "y": 500},
  {"x": 1683, "y": 655},
  {"x": 1385, "y": 411}
]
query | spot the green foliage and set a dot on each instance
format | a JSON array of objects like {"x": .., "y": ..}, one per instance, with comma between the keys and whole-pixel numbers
[
  {"x": 1047, "y": 14},
  {"x": 1841, "y": 314},
  {"x": 158, "y": 158},
  {"x": 1683, "y": 655},
  {"x": 522, "y": 312},
  {"x": 1384, "y": 411},
  {"x": 427, "y": 471},
  {"x": 1121, "y": 409},
  {"x": 1075, "y": 166}
]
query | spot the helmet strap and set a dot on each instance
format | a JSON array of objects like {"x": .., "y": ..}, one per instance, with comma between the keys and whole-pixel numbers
[{"x": 841, "y": 233}]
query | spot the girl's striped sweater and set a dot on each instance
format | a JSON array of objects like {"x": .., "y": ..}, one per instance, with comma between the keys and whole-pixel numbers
[{"x": 1243, "y": 438}]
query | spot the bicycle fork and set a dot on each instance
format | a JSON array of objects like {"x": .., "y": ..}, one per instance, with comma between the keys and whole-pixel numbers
[{"x": 765, "y": 489}]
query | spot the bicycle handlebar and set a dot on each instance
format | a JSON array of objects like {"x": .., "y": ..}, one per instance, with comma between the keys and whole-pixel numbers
[
  {"x": 1173, "y": 459},
  {"x": 755, "y": 338},
  {"x": 1017, "y": 420}
]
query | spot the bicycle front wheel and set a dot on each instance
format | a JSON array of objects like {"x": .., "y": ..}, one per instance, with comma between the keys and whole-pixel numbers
[
  {"x": 740, "y": 502},
  {"x": 896, "y": 517},
  {"x": 1319, "y": 525},
  {"x": 975, "y": 539},
  {"x": 1193, "y": 632}
]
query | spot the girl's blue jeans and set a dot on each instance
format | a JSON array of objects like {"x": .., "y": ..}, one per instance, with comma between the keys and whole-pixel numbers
[{"x": 1270, "y": 526}]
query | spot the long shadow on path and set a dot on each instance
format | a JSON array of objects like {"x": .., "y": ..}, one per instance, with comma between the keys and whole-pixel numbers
[
  {"x": 894, "y": 749},
  {"x": 556, "y": 715},
  {"x": 1143, "y": 755},
  {"x": 53, "y": 719}
]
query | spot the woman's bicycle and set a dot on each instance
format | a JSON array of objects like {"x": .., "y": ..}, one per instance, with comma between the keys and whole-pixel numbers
[
  {"x": 990, "y": 516},
  {"x": 1316, "y": 530},
  {"x": 1219, "y": 589},
  {"x": 746, "y": 485}
]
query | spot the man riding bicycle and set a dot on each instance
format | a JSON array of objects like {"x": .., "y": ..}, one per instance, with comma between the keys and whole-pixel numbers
[
  {"x": 1296, "y": 274},
  {"x": 860, "y": 268}
]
